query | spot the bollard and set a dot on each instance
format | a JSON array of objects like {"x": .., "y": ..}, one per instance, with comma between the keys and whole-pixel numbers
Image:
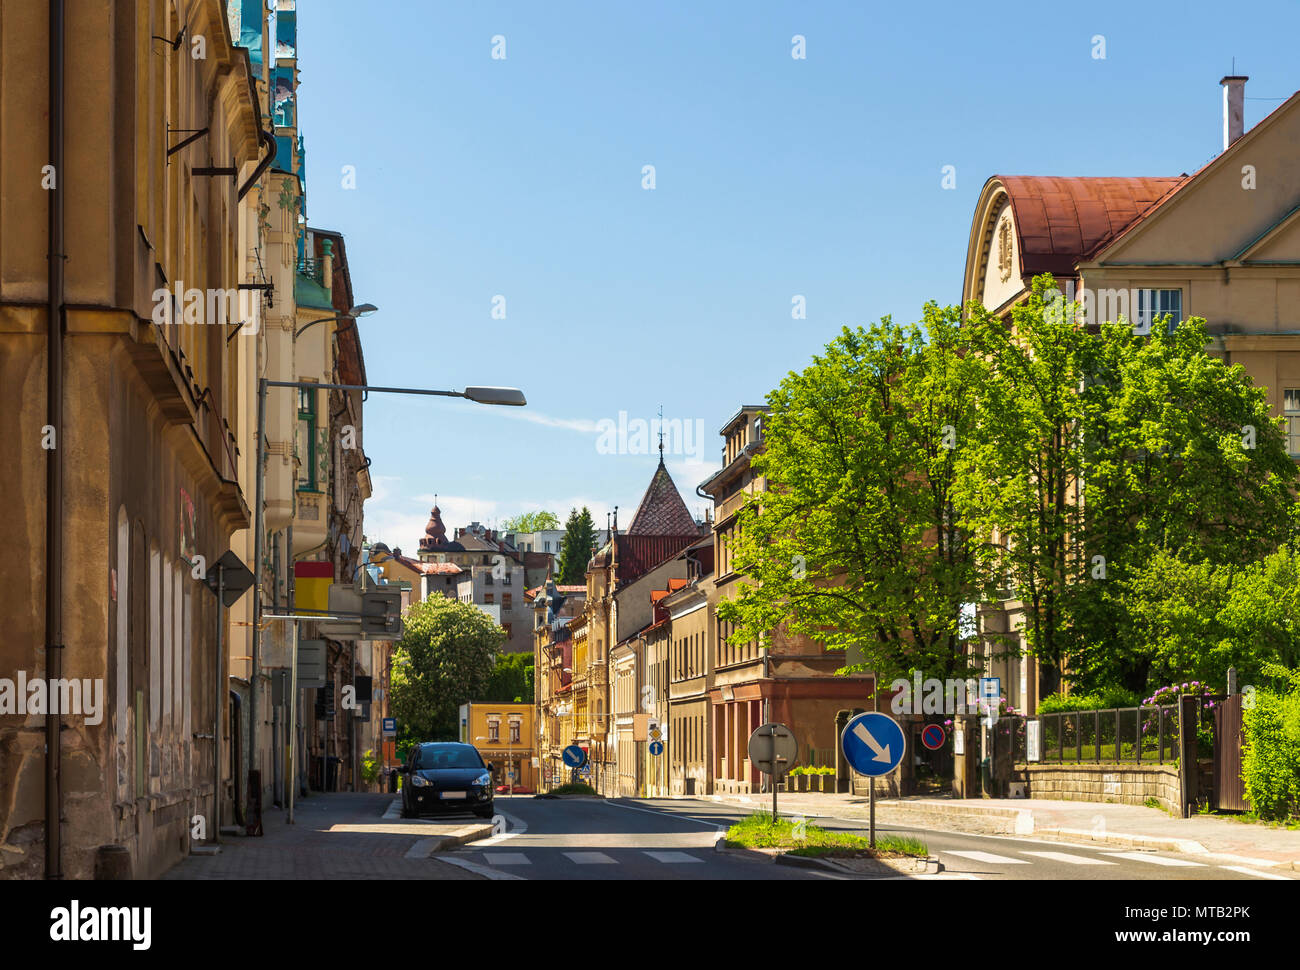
[{"x": 112, "y": 862}]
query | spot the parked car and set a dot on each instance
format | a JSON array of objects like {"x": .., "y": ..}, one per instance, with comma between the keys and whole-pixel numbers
[
  {"x": 519, "y": 790},
  {"x": 446, "y": 776}
]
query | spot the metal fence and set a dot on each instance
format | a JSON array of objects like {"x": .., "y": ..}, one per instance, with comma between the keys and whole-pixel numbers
[{"x": 1122, "y": 735}]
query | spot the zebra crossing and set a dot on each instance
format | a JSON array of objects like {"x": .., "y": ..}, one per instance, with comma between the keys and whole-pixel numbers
[
  {"x": 1106, "y": 858},
  {"x": 503, "y": 861}
]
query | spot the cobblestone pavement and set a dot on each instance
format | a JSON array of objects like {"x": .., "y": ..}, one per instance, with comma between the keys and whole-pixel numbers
[{"x": 334, "y": 836}]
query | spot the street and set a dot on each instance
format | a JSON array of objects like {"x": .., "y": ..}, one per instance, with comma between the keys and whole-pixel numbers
[{"x": 674, "y": 839}]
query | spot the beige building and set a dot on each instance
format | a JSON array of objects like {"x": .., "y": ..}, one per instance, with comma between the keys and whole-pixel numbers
[
  {"x": 1222, "y": 244},
  {"x": 789, "y": 680},
  {"x": 120, "y": 379}
]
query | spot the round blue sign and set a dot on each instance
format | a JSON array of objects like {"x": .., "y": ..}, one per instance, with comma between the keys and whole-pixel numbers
[
  {"x": 656, "y": 747},
  {"x": 574, "y": 756},
  {"x": 933, "y": 736},
  {"x": 873, "y": 744}
]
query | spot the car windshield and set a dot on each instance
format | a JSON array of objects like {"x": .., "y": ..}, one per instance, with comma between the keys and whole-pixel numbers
[{"x": 448, "y": 756}]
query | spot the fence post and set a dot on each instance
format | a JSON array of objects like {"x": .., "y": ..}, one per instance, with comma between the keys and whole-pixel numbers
[
  {"x": 1119, "y": 748},
  {"x": 1187, "y": 783},
  {"x": 1137, "y": 730},
  {"x": 1160, "y": 736},
  {"x": 1096, "y": 735}
]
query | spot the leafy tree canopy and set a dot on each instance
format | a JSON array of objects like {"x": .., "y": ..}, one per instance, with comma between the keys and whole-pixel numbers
[
  {"x": 443, "y": 660},
  {"x": 527, "y": 522}
]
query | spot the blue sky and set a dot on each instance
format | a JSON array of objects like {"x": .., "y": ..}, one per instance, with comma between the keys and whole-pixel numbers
[{"x": 774, "y": 177}]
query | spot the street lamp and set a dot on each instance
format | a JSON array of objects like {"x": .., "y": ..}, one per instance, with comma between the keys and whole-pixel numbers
[
  {"x": 365, "y": 309},
  {"x": 508, "y": 396}
]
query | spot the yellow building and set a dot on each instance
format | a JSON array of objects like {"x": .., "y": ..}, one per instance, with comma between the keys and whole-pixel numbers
[{"x": 503, "y": 735}]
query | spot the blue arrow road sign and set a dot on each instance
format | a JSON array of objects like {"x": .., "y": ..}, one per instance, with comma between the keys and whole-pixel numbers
[
  {"x": 656, "y": 747},
  {"x": 873, "y": 744},
  {"x": 574, "y": 756}
]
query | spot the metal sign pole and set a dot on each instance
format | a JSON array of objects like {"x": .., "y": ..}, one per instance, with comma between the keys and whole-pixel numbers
[
  {"x": 871, "y": 800},
  {"x": 773, "y": 776}
]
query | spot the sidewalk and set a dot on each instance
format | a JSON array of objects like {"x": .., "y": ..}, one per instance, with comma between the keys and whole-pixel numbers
[
  {"x": 1104, "y": 823},
  {"x": 334, "y": 836}
]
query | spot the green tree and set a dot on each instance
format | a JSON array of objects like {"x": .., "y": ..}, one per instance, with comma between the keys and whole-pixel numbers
[
  {"x": 511, "y": 680},
  {"x": 1018, "y": 467},
  {"x": 1184, "y": 470},
  {"x": 527, "y": 522},
  {"x": 576, "y": 547},
  {"x": 855, "y": 541},
  {"x": 443, "y": 660}
]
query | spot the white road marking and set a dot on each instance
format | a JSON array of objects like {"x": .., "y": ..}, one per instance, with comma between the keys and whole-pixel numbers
[
  {"x": 517, "y": 827},
  {"x": 590, "y": 858},
  {"x": 673, "y": 857},
  {"x": 507, "y": 859},
  {"x": 986, "y": 857},
  {"x": 1154, "y": 859},
  {"x": 1258, "y": 875},
  {"x": 1073, "y": 860},
  {"x": 486, "y": 872}
]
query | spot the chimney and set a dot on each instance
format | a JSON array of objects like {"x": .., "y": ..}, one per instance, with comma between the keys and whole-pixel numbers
[
  {"x": 1234, "y": 99},
  {"x": 327, "y": 257}
]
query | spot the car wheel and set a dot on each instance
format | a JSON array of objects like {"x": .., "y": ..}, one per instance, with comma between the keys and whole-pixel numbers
[
  {"x": 483, "y": 812},
  {"x": 406, "y": 812}
]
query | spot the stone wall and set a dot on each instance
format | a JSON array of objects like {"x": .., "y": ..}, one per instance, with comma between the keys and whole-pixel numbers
[{"x": 1124, "y": 784}]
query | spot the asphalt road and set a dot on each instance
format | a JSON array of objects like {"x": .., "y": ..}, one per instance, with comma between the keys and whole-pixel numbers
[{"x": 674, "y": 839}]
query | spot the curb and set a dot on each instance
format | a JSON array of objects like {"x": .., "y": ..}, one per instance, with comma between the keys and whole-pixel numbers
[{"x": 424, "y": 848}]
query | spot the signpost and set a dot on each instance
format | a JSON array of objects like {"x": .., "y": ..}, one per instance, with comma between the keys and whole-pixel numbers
[
  {"x": 773, "y": 750},
  {"x": 873, "y": 745},
  {"x": 576, "y": 760}
]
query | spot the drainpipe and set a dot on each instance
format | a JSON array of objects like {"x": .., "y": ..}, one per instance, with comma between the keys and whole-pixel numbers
[{"x": 54, "y": 324}]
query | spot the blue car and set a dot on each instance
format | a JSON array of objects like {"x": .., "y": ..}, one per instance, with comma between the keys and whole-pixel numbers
[{"x": 444, "y": 777}]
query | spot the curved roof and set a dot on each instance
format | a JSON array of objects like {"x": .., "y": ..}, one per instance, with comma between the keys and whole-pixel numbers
[{"x": 1062, "y": 220}]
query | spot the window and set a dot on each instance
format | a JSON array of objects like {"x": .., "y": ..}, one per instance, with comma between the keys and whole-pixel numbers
[
  {"x": 1156, "y": 303},
  {"x": 514, "y": 732},
  {"x": 505, "y": 580},
  {"x": 506, "y": 627},
  {"x": 306, "y": 439},
  {"x": 489, "y": 598},
  {"x": 1291, "y": 411},
  {"x": 494, "y": 731},
  {"x": 505, "y": 601},
  {"x": 487, "y": 579}
]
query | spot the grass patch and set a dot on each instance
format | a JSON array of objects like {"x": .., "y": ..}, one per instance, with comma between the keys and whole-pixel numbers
[
  {"x": 758, "y": 831},
  {"x": 573, "y": 788}
]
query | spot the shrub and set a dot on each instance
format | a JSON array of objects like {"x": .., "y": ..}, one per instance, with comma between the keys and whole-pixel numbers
[
  {"x": 1099, "y": 700},
  {"x": 574, "y": 788},
  {"x": 1270, "y": 762},
  {"x": 369, "y": 767}
]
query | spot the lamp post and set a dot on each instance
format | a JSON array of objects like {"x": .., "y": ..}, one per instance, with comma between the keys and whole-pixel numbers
[{"x": 502, "y": 396}]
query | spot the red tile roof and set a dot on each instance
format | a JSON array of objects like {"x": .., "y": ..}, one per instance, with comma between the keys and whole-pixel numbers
[
  {"x": 1063, "y": 220},
  {"x": 662, "y": 511}
]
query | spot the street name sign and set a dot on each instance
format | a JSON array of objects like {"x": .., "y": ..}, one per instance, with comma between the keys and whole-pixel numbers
[{"x": 873, "y": 744}]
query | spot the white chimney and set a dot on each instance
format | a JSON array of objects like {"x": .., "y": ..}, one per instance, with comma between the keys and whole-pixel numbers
[{"x": 1234, "y": 99}]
